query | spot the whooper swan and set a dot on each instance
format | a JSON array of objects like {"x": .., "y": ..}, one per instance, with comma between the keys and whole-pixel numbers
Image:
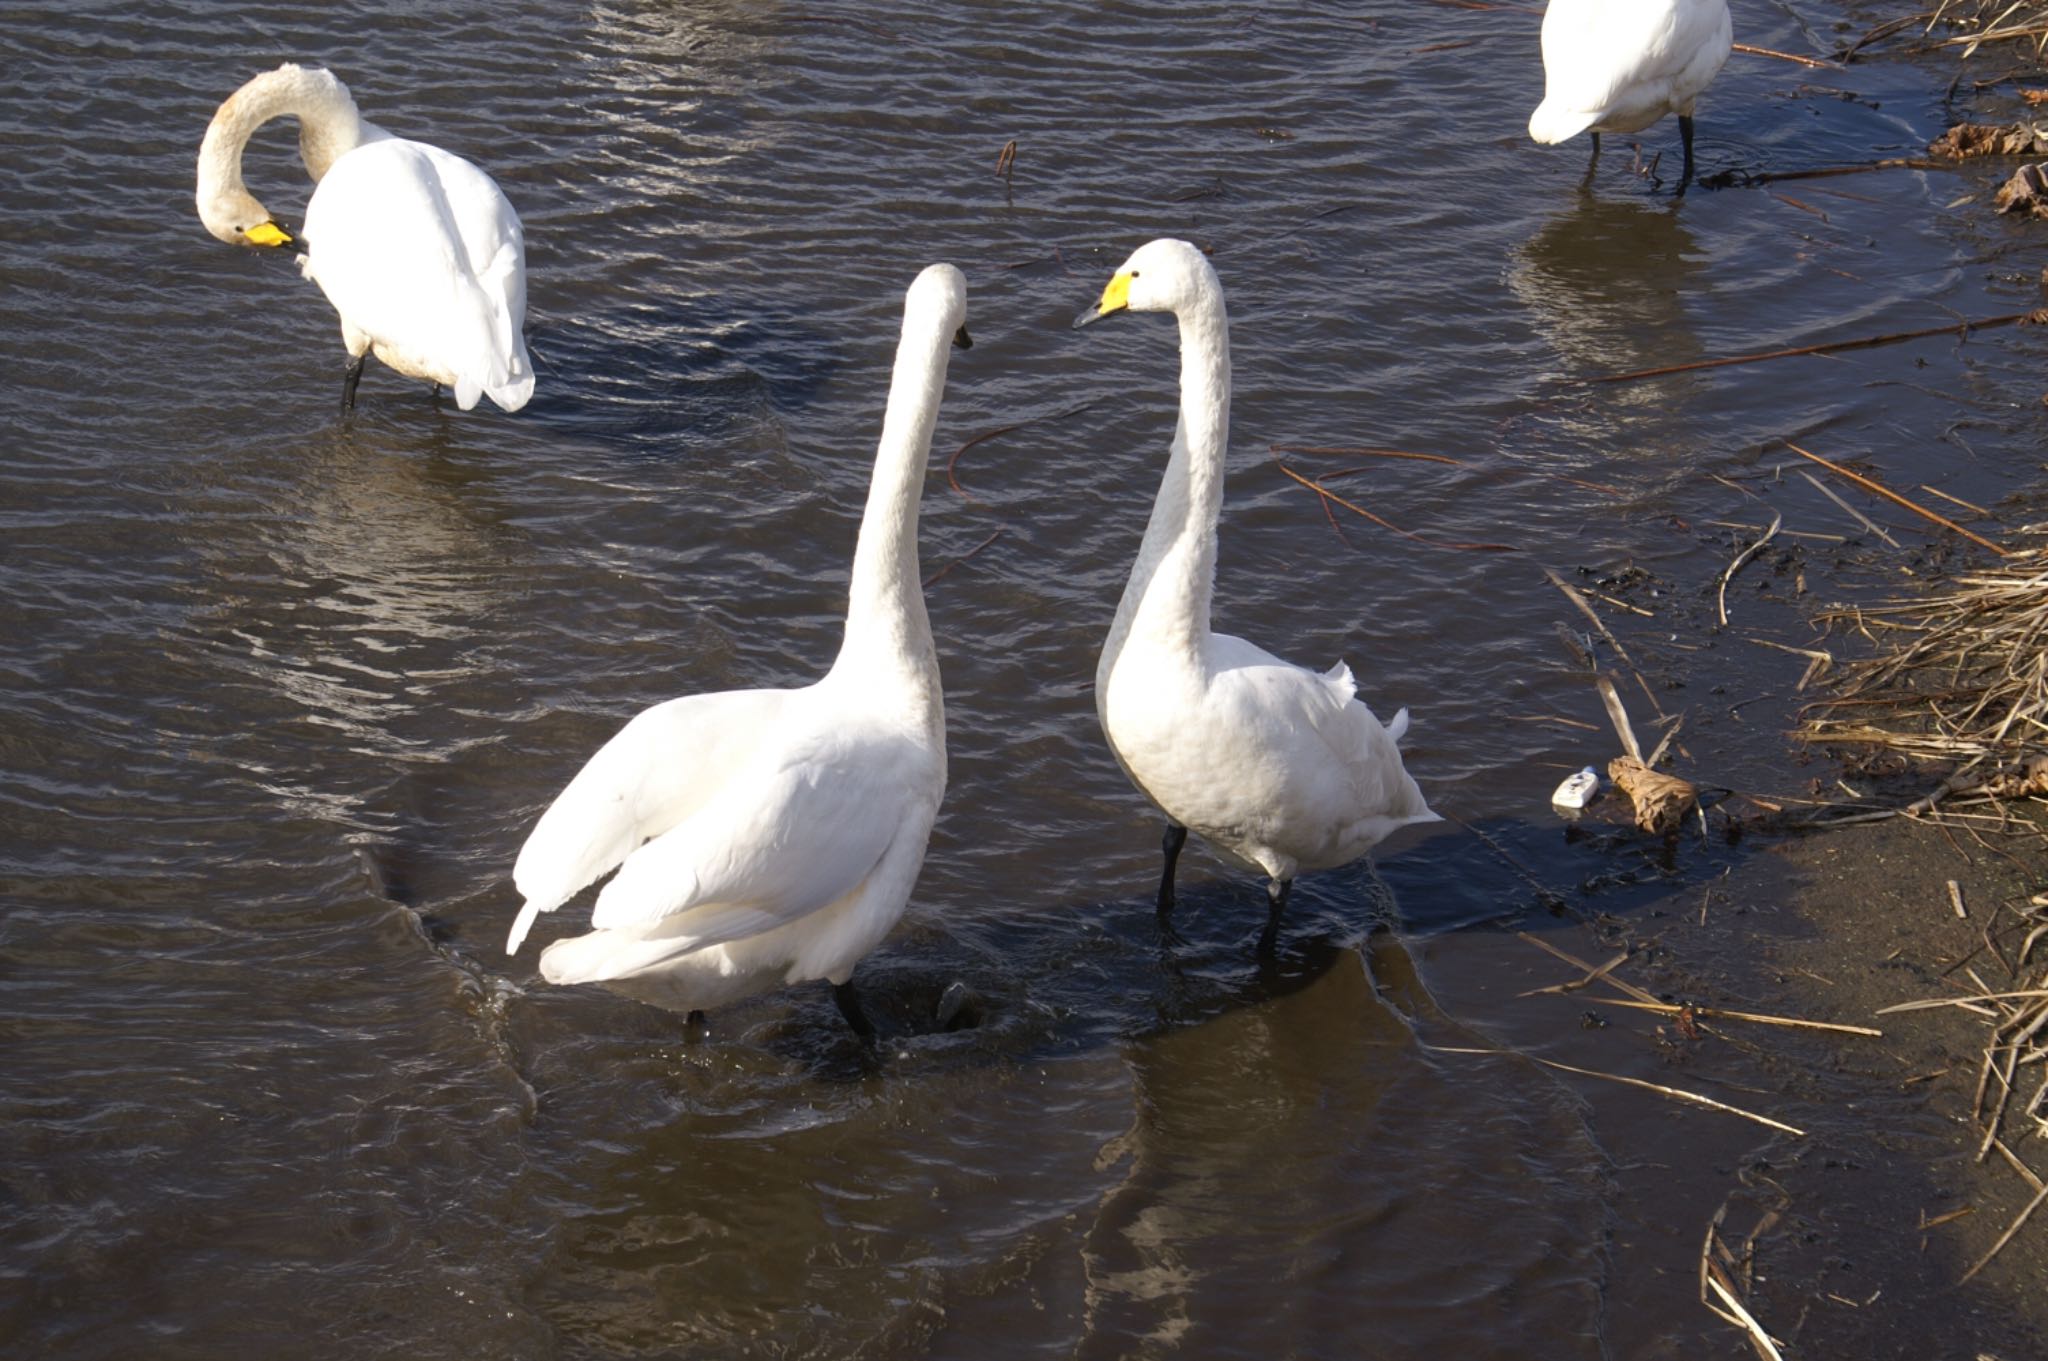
[
  {"x": 1620, "y": 65},
  {"x": 416, "y": 248},
  {"x": 1278, "y": 768},
  {"x": 767, "y": 837}
]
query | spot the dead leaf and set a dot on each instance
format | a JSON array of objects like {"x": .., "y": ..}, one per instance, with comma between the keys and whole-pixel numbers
[
  {"x": 1661, "y": 801},
  {"x": 1984, "y": 139},
  {"x": 2026, "y": 192}
]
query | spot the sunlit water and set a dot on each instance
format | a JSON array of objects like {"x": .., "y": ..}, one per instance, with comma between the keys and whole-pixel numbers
[{"x": 282, "y": 696}]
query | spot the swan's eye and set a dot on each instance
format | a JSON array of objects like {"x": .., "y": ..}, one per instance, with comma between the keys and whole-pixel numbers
[{"x": 1134, "y": 274}]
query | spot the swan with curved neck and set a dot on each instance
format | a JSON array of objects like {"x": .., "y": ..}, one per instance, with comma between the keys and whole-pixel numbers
[
  {"x": 768, "y": 837},
  {"x": 1278, "y": 768},
  {"x": 1620, "y": 65},
  {"x": 421, "y": 255}
]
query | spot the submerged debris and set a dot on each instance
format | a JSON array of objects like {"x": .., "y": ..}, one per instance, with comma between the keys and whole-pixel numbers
[
  {"x": 2026, "y": 192},
  {"x": 1965, "y": 140},
  {"x": 1661, "y": 801}
]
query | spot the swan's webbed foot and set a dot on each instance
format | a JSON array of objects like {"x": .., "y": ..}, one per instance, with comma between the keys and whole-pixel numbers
[
  {"x": 349, "y": 381},
  {"x": 1175, "y": 838},
  {"x": 850, "y": 1008},
  {"x": 1276, "y": 904}
]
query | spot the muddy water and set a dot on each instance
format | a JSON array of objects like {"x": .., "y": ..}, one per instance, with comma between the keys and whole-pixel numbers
[{"x": 282, "y": 696}]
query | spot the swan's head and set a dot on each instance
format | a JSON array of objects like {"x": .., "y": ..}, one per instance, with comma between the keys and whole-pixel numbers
[
  {"x": 938, "y": 298},
  {"x": 235, "y": 216},
  {"x": 329, "y": 126},
  {"x": 1161, "y": 276}
]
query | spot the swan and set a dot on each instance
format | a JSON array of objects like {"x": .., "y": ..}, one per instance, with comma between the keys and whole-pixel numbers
[
  {"x": 1620, "y": 65},
  {"x": 1278, "y": 768},
  {"x": 769, "y": 837},
  {"x": 416, "y": 248}
]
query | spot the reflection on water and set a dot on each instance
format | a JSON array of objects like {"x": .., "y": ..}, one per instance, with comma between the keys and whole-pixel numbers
[
  {"x": 1605, "y": 282},
  {"x": 1308, "y": 1155}
]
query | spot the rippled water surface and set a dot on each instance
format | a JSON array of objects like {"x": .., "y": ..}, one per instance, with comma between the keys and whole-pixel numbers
[{"x": 280, "y": 696}]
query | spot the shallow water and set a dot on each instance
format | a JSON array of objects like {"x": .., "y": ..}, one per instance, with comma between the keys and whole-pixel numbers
[{"x": 280, "y": 697}]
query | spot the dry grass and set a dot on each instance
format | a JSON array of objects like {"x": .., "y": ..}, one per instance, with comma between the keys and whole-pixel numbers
[
  {"x": 1960, "y": 677},
  {"x": 1979, "y": 24}
]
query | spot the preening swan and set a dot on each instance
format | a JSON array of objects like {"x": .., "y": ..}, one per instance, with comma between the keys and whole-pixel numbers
[
  {"x": 773, "y": 836},
  {"x": 1620, "y": 65},
  {"x": 1278, "y": 768},
  {"x": 416, "y": 248}
]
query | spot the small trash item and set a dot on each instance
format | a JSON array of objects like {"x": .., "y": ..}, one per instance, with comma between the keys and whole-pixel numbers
[
  {"x": 1577, "y": 791},
  {"x": 1661, "y": 801}
]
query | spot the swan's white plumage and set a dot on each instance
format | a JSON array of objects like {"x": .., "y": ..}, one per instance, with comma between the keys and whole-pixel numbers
[
  {"x": 417, "y": 249},
  {"x": 1620, "y": 65},
  {"x": 1278, "y": 768},
  {"x": 771, "y": 836}
]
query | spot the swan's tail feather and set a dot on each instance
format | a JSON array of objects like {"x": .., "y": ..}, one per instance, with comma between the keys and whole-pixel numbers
[
  {"x": 529, "y": 912},
  {"x": 1397, "y": 726},
  {"x": 495, "y": 362}
]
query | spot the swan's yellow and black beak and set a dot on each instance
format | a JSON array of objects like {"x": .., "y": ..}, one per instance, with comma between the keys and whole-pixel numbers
[
  {"x": 1116, "y": 296},
  {"x": 962, "y": 340},
  {"x": 268, "y": 234}
]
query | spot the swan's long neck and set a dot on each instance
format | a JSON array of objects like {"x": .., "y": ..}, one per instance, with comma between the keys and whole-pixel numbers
[
  {"x": 329, "y": 127},
  {"x": 887, "y": 629},
  {"x": 1167, "y": 599}
]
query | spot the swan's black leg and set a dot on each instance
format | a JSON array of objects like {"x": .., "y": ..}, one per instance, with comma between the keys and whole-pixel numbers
[
  {"x": 1592, "y": 162},
  {"x": 849, "y": 1007},
  {"x": 1685, "y": 137},
  {"x": 349, "y": 381},
  {"x": 1175, "y": 838},
  {"x": 1276, "y": 903}
]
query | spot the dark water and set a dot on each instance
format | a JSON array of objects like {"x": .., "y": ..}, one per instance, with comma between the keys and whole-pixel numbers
[{"x": 280, "y": 698}]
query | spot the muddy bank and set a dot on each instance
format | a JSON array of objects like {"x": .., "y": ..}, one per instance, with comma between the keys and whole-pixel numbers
[{"x": 1850, "y": 1238}]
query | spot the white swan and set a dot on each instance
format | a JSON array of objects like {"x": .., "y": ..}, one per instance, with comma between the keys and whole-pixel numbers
[
  {"x": 416, "y": 248},
  {"x": 1278, "y": 768},
  {"x": 773, "y": 836},
  {"x": 1620, "y": 65}
]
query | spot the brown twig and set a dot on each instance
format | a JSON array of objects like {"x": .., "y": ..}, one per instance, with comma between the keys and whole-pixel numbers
[
  {"x": 1721, "y": 1013},
  {"x": 1676, "y": 1093},
  {"x": 1323, "y": 491},
  {"x": 986, "y": 435},
  {"x": 1888, "y": 494},
  {"x": 1815, "y": 62},
  {"x": 1827, "y": 347},
  {"x": 1721, "y": 593},
  {"x": 993, "y": 536},
  {"x": 2007, "y": 1236}
]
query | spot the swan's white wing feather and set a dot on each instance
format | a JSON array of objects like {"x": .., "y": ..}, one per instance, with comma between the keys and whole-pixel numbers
[
  {"x": 1629, "y": 60},
  {"x": 1318, "y": 763},
  {"x": 801, "y": 832},
  {"x": 658, "y": 770},
  {"x": 417, "y": 249}
]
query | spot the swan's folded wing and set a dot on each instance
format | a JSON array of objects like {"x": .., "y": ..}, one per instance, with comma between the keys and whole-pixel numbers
[
  {"x": 806, "y": 832},
  {"x": 495, "y": 245},
  {"x": 1594, "y": 51},
  {"x": 657, "y": 771},
  {"x": 418, "y": 249}
]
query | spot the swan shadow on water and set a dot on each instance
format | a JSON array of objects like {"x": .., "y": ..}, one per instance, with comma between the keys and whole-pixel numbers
[{"x": 679, "y": 372}]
